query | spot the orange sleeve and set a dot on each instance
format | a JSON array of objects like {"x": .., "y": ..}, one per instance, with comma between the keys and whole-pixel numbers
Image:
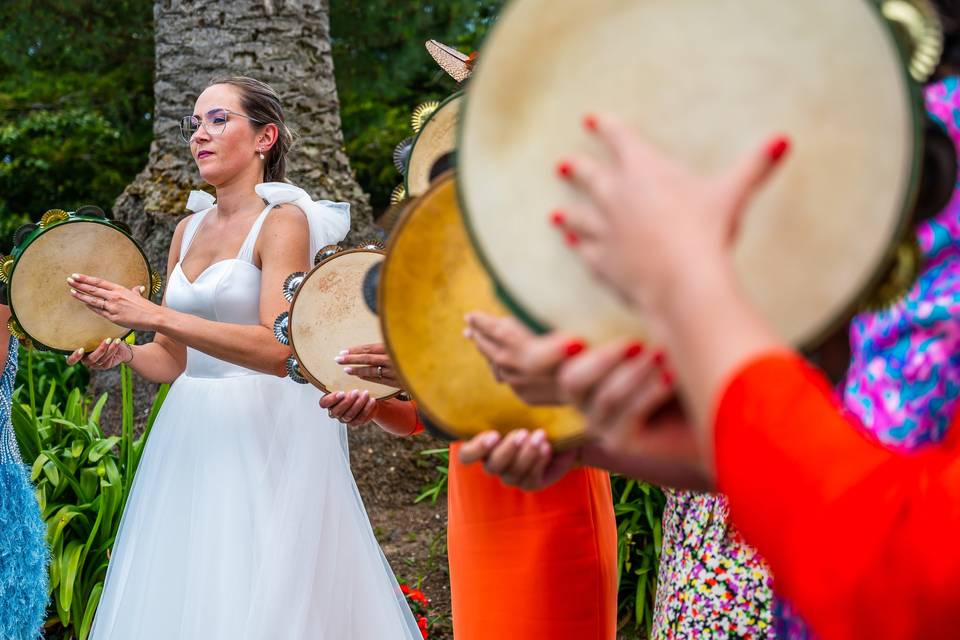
[{"x": 862, "y": 540}]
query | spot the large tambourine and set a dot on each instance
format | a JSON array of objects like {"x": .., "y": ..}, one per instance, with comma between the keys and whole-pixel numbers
[
  {"x": 327, "y": 315},
  {"x": 430, "y": 279},
  {"x": 43, "y": 313},
  {"x": 705, "y": 80}
]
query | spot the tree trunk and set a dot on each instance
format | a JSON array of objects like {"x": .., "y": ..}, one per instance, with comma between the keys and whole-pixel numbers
[{"x": 285, "y": 43}]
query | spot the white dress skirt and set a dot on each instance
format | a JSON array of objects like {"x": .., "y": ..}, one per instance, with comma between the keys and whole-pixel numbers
[{"x": 244, "y": 521}]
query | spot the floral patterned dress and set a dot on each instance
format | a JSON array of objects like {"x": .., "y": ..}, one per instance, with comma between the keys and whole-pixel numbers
[{"x": 902, "y": 384}]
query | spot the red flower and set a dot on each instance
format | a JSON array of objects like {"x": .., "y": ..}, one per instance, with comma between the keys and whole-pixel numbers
[
  {"x": 404, "y": 589},
  {"x": 422, "y": 623},
  {"x": 417, "y": 596}
]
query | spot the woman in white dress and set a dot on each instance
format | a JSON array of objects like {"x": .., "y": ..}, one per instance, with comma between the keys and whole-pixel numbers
[{"x": 244, "y": 521}]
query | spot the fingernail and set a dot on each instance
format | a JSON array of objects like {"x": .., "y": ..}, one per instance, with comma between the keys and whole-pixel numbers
[
  {"x": 348, "y": 370},
  {"x": 633, "y": 350},
  {"x": 341, "y": 395},
  {"x": 558, "y": 218},
  {"x": 468, "y": 333},
  {"x": 667, "y": 377},
  {"x": 344, "y": 352},
  {"x": 565, "y": 169},
  {"x": 571, "y": 238},
  {"x": 73, "y": 291},
  {"x": 82, "y": 350},
  {"x": 590, "y": 122},
  {"x": 777, "y": 148},
  {"x": 142, "y": 288},
  {"x": 520, "y": 436},
  {"x": 339, "y": 359},
  {"x": 74, "y": 275},
  {"x": 538, "y": 437},
  {"x": 70, "y": 280},
  {"x": 659, "y": 358},
  {"x": 573, "y": 347},
  {"x": 491, "y": 439}
]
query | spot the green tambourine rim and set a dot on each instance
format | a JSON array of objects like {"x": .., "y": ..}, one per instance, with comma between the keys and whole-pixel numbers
[
  {"x": 36, "y": 233},
  {"x": 914, "y": 99},
  {"x": 413, "y": 145}
]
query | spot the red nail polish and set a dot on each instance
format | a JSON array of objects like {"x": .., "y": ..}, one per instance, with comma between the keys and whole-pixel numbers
[
  {"x": 571, "y": 238},
  {"x": 777, "y": 148},
  {"x": 558, "y": 218},
  {"x": 590, "y": 122},
  {"x": 633, "y": 350},
  {"x": 659, "y": 358},
  {"x": 574, "y": 347},
  {"x": 565, "y": 169},
  {"x": 667, "y": 378}
]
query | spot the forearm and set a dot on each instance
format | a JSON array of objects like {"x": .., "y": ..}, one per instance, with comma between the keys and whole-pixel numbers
[
  {"x": 397, "y": 417},
  {"x": 630, "y": 459},
  {"x": 155, "y": 362},
  {"x": 708, "y": 331},
  {"x": 250, "y": 346}
]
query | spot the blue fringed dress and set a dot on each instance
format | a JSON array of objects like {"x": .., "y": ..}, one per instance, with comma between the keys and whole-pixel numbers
[{"x": 23, "y": 547}]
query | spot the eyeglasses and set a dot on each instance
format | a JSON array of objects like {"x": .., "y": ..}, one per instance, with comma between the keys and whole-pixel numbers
[{"x": 214, "y": 121}]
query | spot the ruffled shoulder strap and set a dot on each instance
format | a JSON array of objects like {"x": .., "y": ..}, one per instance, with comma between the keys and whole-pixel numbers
[
  {"x": 199, "y": 203},
  {"x": 329, "y": 221}
]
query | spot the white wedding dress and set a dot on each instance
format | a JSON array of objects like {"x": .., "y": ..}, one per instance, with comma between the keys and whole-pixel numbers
[{"x": 244, "y": 521}]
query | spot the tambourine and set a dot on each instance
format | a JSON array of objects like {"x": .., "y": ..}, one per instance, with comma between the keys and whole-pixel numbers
[
  {"x": 327, "y": 315},
  {"x": 429, "y": 279},
  {"x": 436, "y": 137},
  {"x": 43, "y": 313},
  {"x": 704, "y": 81}
]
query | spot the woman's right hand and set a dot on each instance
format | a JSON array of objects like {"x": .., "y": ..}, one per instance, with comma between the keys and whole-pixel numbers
[
  {"x": 109, "y": 354},
  {"x": 525, "y": 361}
]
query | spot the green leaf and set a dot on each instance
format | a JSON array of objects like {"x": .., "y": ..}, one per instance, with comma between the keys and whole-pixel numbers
[
  {"x": 70, "y": 566},
  {"x": 101, "y": 448},
  {"x": 92, "y": 601}
]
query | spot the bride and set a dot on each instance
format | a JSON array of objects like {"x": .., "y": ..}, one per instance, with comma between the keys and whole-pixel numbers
[{"x": 244, "y": 520}]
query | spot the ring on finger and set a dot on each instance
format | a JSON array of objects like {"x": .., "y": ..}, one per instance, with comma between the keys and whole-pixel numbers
[{"x": 380, "y": 372}]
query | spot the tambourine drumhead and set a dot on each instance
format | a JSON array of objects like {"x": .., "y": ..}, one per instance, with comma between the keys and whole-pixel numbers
[
  {"x": 328, "y": 315},
  {"x": 430, "y": 279},
  {"x": 705, "y": 81},
  {"x": 437, "y": 138},
  {"x": 40, "y": 297}
]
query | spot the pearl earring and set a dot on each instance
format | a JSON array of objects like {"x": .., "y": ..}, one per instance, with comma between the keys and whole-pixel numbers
[{"x": 260, "y": 152}]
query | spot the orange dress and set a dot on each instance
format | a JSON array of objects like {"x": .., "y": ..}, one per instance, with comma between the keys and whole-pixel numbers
[
  {"x": 531, "y": 565},
  {"x": 862, "y": 540}
]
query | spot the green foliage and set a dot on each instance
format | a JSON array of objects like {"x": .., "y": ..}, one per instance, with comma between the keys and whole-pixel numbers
[
  {"x": 439, "y": 484},
  {"x": 639, "y": 510},
  {"x": 383, "y": 71},
  {"x": 76, "y": 103},
  {"x": 83, "y": 479},
  {"x": 42, "y": 370}
]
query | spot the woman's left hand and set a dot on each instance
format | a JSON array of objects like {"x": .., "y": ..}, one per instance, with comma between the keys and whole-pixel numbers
[
  {"x": 521, "y": 459},
  {"x": 118, "y": 304},
  {"x": 352, "y": 408},
  {"x": 369, "y": 362}
]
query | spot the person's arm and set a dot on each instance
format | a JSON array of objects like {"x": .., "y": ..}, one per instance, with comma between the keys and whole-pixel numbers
[
  {"x": 282, "y": 248},
  {"x": 163, "y": 359},
  {"x": 356, "y": 408},
  {"x": 862, "y": 540}
]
